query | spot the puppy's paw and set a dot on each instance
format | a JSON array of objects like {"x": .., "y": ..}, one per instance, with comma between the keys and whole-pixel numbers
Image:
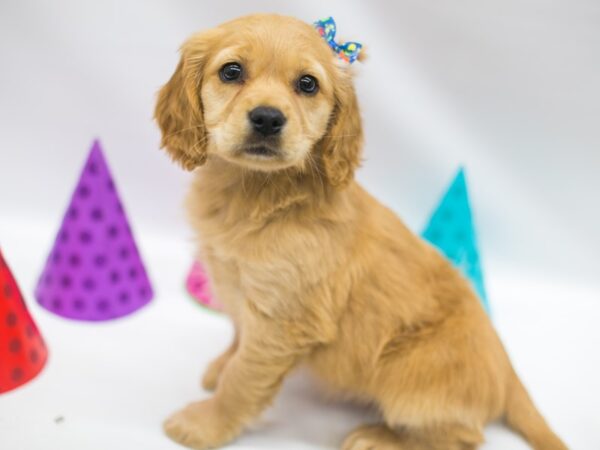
[
  {"x": 200, "y": 426},
  {"x": 372, "y": 437}
]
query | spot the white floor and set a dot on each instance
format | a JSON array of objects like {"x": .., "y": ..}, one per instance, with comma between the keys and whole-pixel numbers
[{"x": 110, "y": 385}]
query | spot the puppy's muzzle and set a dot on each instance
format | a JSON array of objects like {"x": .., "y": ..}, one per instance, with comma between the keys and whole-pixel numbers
[{"x": 266, "y": 124}]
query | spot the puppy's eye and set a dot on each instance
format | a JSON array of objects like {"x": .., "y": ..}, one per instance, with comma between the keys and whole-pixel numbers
[
  {"x": 231, "y": 72},
  {"x": 308, "y": 84}
]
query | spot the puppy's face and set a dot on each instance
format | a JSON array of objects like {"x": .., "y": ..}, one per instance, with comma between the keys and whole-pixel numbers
[
  {"x": 264, "y": 92},
  {"x": 267, "y": 94}
]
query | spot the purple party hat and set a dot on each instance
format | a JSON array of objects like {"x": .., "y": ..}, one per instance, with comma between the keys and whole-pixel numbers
[{"x": 94, "y": 271}]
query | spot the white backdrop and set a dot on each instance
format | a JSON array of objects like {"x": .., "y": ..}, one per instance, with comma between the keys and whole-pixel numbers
[{"x": 508, "y": 88}]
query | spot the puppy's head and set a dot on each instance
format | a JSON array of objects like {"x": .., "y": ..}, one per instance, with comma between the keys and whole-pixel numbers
[{"x": 264, "y": 92}]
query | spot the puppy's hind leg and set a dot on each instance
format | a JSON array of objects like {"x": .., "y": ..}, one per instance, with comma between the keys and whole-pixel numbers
[
  {"x": 382, "y": 437},
  {"x": 372, "y": 437}
]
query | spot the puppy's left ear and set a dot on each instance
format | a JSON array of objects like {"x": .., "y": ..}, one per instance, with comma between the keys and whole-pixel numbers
[{"x": 342, "y": 144}]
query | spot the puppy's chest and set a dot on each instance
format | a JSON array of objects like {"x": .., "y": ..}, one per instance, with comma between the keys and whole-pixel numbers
[
  {"x": 274, "y": 245},
  {"x": 264, "y": 268},
  {"x": 273, "y": 270}
]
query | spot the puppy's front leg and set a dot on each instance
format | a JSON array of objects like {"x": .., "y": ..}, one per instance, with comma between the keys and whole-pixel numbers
[
  {"x": 267, "y": 352},
  {"x": 211, "y": 376}
]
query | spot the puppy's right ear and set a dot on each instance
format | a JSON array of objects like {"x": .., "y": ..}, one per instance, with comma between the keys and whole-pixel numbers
[{"x": 179, "y": 115}]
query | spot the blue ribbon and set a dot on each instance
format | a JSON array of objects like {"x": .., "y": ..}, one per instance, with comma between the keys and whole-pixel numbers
[{"x": 348, "y": 51}]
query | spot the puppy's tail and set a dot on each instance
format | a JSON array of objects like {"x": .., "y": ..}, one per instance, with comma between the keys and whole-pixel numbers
[{"x": 523, "y": 417}]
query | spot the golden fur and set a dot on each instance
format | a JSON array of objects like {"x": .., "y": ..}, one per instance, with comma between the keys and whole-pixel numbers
[{"x": 312, "y": 269}]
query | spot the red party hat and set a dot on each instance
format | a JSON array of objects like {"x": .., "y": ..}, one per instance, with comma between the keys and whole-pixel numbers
[{"x": 23, "y": 353}]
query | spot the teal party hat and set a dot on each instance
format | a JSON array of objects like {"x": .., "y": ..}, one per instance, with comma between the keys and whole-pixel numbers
[{"x": 452, "y": 231}]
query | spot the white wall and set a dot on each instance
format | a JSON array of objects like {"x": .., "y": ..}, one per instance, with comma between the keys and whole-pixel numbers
[{"x": 509, "y": 88}]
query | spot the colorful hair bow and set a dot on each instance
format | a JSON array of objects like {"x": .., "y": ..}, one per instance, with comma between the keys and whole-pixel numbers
[{"x": 348, "y": 51}]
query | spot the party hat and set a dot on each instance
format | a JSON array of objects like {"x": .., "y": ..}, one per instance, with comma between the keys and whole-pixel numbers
[
  {"x": 198, "y": 286},
  {"x": 452, "y": 231},
  {"x": 94, "y": 271},
  {"x": 23, "y": 353}
]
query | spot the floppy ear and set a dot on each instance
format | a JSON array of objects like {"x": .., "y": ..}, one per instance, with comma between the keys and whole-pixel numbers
[
  {"x": 179, "y": 115},
  {"x": 342, "y": 144}
]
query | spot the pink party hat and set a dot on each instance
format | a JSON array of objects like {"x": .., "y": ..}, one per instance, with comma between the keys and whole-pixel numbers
[
  {"x": 94, "y": 271},
  {"x": 198, "y": 286}
]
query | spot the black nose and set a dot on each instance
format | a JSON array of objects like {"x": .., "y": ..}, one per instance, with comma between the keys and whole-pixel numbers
[{"x": 266, "y": 120}]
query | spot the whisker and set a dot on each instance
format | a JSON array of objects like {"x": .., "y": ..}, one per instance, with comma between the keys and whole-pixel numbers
[
  {"x": 244, "y": 182},
  {"x": 317, "y": 169},
  {"x": 328, "y": 135},
  {"x": 265, "y": 181}
]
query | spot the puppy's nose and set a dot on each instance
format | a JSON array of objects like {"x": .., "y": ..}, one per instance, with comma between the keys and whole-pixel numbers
[{"x": 266, "y": 120}]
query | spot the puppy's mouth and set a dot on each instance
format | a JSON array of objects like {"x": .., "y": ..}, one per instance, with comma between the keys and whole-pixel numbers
[
  {"x": 260, "y": 153},
  {"x": 259, "y": 147},
  {"x": 261, "y": 150}
]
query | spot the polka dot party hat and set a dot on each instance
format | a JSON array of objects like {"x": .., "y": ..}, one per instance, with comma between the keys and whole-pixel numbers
[
  {"x": 94, "y": 271},
  {"x": 198, "y": 286},
  {"x": 23, "y": 353},
  {"x": 452, "y": 231}
]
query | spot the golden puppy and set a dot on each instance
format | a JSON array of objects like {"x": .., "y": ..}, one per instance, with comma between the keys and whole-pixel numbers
[{"x": 311, "y": 268}]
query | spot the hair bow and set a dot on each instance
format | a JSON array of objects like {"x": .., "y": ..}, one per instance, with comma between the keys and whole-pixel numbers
[{"x": 348, "y": 51}]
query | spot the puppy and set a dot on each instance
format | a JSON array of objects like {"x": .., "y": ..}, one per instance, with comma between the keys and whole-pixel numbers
[{"x": 312, "y": 269}]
